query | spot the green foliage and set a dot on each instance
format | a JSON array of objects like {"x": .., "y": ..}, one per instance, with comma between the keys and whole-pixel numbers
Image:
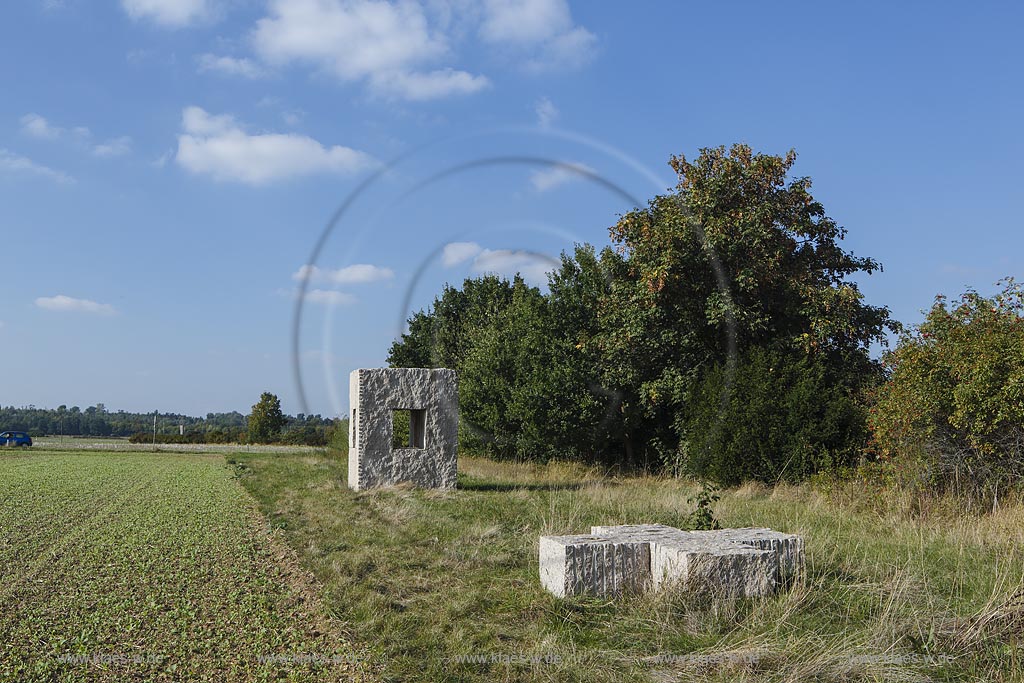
[
  {"x": 138, "y": 427},
  {"x": 305, "y": 435},
  {"x": 772, "y": 416},
  {"x": 400, "y": 429},
  {"x": 703, "y": 516},
  {"x": 98, "y": 421},
  {"x": 529, "y": 383},
  {"x": 954, "y": 405},
  {"x": 739, "y": 256},
  {"x": 617, "y": 361},
  {"x": 266, "y": 419},
  {"x": 194, "y": 437},
  {"x": 442, "y": 337},
  {"x": 168, "y": 561},
  {"x": 502, "y": 401},
  {"x": 337, "y": 436}
]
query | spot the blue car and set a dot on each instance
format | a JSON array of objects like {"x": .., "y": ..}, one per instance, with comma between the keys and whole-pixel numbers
[{"x": 15, "y": 439}]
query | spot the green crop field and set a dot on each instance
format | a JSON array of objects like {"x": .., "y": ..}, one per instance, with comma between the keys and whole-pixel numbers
[{"x": 150, "y": 567}]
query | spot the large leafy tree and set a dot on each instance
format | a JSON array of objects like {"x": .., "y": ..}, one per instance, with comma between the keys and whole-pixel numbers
[
  {"x": 480, "y": 330},
  {"x": 583, "y": 416},
  {"x": 266, "y": 419},
  {"x": 739, "y": 256}
]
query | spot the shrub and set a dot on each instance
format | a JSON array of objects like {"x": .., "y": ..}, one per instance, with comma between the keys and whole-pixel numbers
[
  {"x": 337, "y": 435},
  {"x": 306, "y": 435},
  {"x": 780, "y": 416},
  {"x": 954, "y": 404}
]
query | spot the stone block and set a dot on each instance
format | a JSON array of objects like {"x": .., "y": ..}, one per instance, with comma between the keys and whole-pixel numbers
[
  {"x": 432, "y": 399},
  {"x": 702, "y": 561},
  {"x": 726, "y": 563},
  {"x": 789, "y": 548},
  {"x": 574, "y": 565}
]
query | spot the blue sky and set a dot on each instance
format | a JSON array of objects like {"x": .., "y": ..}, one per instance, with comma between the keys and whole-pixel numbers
[{"x": 167, "y": 166}]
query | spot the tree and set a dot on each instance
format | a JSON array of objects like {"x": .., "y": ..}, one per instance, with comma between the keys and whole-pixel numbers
[
  {"x": 953, "y": 408},
  {"x": 498, "y": 397},
  {"x": 266, "y": 419},
  {"x": 440, "y": 336},
  {"x": 576, "y": 416},
  {"x": 739, "y": 256}
]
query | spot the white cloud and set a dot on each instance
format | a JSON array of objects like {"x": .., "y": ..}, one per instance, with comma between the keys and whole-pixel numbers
[
  {"x": 231, "y": 66},
  {"x": 542, "y": 32},
  {"x": 458, "y": 252},
  {"x": 38, "y": 127},
  {"x": 355, "y": 274},
  {"x": 329, "y": 297},
  {"x": 417, "y": 86},
  {"x": 114, "y": 148},
  {"x": 218, "y": 146},
  {"x": 524, "y": 21},
  {"x": 355, "y": 39},
  {"x": 546, "y": 112},
  {"x": 15, "y": 164},
  {"x": 549, "y": 178},
  {"x": 383, "y": 43},
  {"x": 67, "y": 303},
  {"x": 533, "y": 267},
  {"x": 197, "y": 121},
  {"x": 565, "y": 52},
  {"x": 170, "y": 13}
]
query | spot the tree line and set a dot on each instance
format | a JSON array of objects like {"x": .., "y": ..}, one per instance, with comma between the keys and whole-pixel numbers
[
  {"x": 97, "y": 421},
  {"x": 721, "y": 333}
]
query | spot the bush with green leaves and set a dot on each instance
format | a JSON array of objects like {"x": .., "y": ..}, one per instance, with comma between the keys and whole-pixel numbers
[
  {"x": 772, "y": 416},
  {"x": 953, "y": 408},
  {"x": 337, "y": 436}
]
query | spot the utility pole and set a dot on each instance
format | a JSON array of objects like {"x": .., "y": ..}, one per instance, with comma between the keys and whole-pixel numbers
[{"x": 154, "y": 431}]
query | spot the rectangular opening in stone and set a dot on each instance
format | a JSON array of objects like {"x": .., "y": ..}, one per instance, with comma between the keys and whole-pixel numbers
[
  {"x": 408, "y": 428},
  {"x": 417, "y": 428}
]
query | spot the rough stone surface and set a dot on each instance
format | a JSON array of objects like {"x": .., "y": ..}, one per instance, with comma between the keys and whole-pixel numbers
[
  {"x": 729, "y": 562},
  {"x": 374, "y": 395},
  {"x": 788, "y": 547},
  {"x": 572, "y": 565}
]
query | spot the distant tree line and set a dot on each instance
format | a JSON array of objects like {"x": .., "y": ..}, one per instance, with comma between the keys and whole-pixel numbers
[{"x": 233, "y": 427}]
